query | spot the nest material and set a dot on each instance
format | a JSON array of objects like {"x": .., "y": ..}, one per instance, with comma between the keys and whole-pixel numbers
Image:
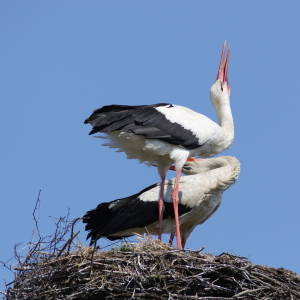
[{"x": 148, "y": 270}]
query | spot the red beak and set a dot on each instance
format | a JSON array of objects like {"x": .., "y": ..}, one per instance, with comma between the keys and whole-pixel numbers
[
  {"x": 223, "y": 67},
  {"x": 193, "y": 159},
  {"x": 189, "y": 159}
]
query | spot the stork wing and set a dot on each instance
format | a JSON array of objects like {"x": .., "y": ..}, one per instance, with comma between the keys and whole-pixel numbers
[
  {"x": 126, "y": 213},
  {"x": 145, "y": 120}
]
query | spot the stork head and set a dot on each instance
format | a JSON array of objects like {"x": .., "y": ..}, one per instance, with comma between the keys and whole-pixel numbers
[
  {"x": 191, "y": 167},
  {"x": 195, "y": 166},
  {"x": 220, "y": 90}
]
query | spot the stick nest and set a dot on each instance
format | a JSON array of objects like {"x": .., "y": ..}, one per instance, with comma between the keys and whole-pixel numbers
[
  {"x": 149, "y": 269},
  {"x": 60, "y": 267}
]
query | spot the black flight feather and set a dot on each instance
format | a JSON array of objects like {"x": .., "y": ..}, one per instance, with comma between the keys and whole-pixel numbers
[
  {"x": 142, "y": 120},
  {"x": 123, "y": 214}
]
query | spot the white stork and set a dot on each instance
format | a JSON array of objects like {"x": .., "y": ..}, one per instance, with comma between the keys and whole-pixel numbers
[
  {"x": 200, "y": 195},
  {"x": 166, "y": 133}
]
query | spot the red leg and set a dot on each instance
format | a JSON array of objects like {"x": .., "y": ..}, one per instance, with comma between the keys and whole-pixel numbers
[
  {"x": 183, "y": 241},
  {"x": 161, "y": 207},
  {"x": 175, "y": 201},
  {"x": 171, "y": 238}
]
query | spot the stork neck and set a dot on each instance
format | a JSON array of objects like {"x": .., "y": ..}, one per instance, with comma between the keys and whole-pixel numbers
[
  {"x": 227, "y": 172},
  {"x": 225, "y": 119}
]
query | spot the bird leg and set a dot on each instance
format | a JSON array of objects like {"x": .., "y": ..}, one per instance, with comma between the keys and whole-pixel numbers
[
  {"x": 183, "y": 240},
  {"x": 161, "y": 206},
  {"x": 175, "y": 200},
  {"x": 171, "y": 238}
]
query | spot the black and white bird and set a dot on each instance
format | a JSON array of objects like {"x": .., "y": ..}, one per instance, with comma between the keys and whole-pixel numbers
[
  {"x": 166, "y": 134},
  {"x": 200, "y": 195}
]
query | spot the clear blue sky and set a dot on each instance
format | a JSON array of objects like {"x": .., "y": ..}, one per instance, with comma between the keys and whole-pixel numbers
[{"x": 60, "y": 60}]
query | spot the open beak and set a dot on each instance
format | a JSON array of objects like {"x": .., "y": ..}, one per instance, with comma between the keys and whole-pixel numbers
[{"x": 223, "y": 67}]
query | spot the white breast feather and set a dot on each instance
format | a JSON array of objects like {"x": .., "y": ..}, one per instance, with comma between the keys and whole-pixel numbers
[
  {"x": 152, "y": 151},
  {"x": 191, "y": 189},
  {"x": 202, "y": 192}
]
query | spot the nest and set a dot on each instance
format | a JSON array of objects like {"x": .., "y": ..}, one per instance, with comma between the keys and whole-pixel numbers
[
  {"x": 147, "y": 270},
  {"x": 60, "y": 267}
]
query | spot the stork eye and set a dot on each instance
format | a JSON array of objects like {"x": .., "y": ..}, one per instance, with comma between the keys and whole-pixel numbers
[{"x": 187, "y": 168}]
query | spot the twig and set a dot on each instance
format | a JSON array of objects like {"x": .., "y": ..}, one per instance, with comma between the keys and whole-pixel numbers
[
  {"x": 66, "y": 244},
  {"x": 93, "y": 253},
  {"x": 265, "y": 276},
  {"x": 72, "y": 232},
  {"x": 250, "y": 291},
  {"x": 37, "y": 208}
]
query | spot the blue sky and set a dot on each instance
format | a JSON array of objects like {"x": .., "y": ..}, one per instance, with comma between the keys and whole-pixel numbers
[{"x": 61, "y": 60}]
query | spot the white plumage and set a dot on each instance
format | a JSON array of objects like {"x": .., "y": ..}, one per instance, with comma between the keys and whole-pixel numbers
[
  {"x": 165, "y": 133},
  {"x": 200, "y": 195}
]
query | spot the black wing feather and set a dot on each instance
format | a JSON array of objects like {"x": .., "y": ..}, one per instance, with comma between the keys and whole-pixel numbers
[
  {"x": 123, "y": 214},
  {"x": 142, "y": 120}
]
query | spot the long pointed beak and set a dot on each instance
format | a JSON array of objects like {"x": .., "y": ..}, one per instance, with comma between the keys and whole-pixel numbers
[{"x": 223, "y": 67}]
